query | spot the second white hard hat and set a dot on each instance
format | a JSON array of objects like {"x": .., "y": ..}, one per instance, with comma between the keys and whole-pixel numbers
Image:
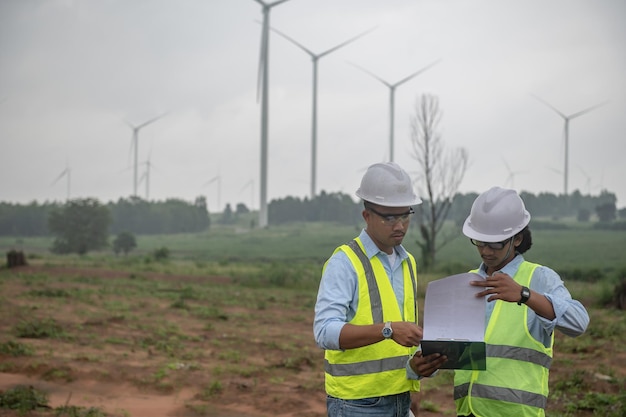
[
  {"x": 496, "y": 215},
  {"x": 387, "y": 184}
]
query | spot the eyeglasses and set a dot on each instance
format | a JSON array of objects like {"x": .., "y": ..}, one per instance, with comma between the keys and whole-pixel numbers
[
  {"x": 393, "y": 219},
  {"x": 490, "y": 245}
]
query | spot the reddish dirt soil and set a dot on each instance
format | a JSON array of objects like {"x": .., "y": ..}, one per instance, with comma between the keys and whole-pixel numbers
[{"x": 112, "y": 384}]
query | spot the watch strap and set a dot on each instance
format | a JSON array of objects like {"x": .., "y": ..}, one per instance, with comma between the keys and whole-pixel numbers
[{"x": 524, "y": 296}]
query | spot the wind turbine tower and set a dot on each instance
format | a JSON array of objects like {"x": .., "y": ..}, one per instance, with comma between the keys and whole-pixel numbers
[
  {"x": 146, "y": 176},
  {"x": 315, "y": 58},
  {"x": 263, "y": 80},
  {"x": 566, "y": 134},
  {"x": 135, "y": 145},
  {"x": 392, "y": 93},
  {"x": 219, "y": 188}
]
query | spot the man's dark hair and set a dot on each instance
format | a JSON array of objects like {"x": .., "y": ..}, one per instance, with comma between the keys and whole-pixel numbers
[{"x": 527, "y": 240}]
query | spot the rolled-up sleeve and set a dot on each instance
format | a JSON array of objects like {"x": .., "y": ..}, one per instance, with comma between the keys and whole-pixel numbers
[{"x": 571, "y": 317}]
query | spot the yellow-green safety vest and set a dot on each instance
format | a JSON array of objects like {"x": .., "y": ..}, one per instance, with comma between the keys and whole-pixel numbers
[
  {"x": 379, "y": 369},
  {"x": 516, "y": 380}
]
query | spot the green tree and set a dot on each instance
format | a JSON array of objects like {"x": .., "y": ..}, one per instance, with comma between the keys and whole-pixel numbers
[
  {"x": 124, "y": 242},
  {"x": 80, "y": 226}
]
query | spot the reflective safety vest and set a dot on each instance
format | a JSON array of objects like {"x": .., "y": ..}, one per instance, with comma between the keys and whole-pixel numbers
[
  {"x": 516, "y": 380},
  {"x": 378, "y": 369}
]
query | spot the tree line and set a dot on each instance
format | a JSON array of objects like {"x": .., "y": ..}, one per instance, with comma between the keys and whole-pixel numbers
[{"x": 139, "y": 216}]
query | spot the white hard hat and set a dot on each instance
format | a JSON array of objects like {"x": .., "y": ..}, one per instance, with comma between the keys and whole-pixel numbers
[
  {"x": 387, "y": 184},
  {"x": 496, "y": 215}
]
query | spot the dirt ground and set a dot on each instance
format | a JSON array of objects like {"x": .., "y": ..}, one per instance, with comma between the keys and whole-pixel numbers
[{"x": 124, "y": 383}]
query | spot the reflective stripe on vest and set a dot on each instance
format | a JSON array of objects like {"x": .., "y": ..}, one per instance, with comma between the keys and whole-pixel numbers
[
  {"x": 516, "y": 379},
  {"x": 378, "y": 369}
]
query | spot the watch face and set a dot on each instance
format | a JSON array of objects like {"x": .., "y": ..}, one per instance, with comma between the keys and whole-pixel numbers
[{"x": 387, "y": 331}]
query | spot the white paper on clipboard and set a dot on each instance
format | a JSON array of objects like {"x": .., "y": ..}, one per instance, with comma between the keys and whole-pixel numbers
[{"x": 454, "y": 321}]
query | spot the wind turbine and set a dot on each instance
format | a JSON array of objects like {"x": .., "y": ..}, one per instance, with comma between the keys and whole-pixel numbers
[
  {"x": 315, "y": 58},
  {"x": 217, "y": 179},
  {"x": 67, "y": 172},
  {"x": 511, "y": 177},
  {"x": 135, "y": 145},
  {"x": 251, "y": 185},
  {"x": 146, "y": 176},
  {"x": 392, "y": 93},
  {"x": 262, "y": 87},
  {"x": 566, "y": 133}
]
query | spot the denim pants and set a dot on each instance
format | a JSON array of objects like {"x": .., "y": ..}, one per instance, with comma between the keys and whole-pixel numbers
[{"x": 389, "y": 406}]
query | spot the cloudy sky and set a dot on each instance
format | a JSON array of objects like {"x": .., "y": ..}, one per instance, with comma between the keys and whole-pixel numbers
[{"x": 74, "y": 74}]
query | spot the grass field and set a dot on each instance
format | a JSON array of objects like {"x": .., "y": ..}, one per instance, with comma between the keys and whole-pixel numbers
[{"x": 223, "y": 326}]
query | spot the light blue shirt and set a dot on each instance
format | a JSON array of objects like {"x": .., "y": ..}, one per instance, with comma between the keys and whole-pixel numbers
[
  {"x": 338, "y": 296},
  {"x": 571, "y": 317}
]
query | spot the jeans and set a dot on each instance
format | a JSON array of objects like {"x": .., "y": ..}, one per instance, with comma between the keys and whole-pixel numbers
[{"x": 389, "y": 406}]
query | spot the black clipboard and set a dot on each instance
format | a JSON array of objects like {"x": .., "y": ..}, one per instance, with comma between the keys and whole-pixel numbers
[{"x": 462, "y": 354}]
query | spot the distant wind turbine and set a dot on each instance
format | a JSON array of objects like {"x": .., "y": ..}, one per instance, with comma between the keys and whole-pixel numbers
[
  {"x": 392, "y": 93},
  {"x": 566, "y": 134},
  {"x": 510, "y": 179},
  {"x": 146, "y": 176},
  {"x": 315, "y": 58},
  {"x": 217, "y": 179},
  {"x": 263, "y": 79},
  {"x": 136, "y": 147},
  {"x": 251, "y": 185},
  {"x": 67, "y": 173}
]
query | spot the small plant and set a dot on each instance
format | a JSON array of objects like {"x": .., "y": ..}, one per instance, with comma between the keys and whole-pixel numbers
[
  {"x": 38, "y": 329},
  {"x": 75, "y": 411},
  {"x": 161, "y": 254},
  {"x": 13, "y": 348},
  {"x": 212, "y": 390},
  {"x": 23, "y": 399}
]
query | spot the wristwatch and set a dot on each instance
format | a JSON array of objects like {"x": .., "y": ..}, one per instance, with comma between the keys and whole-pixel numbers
[
  {"x": 387, "y": 330},
  {"x": 525, "y": 295}
]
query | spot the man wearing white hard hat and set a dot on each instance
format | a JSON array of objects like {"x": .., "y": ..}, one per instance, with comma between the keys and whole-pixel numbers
[
  {"x": 366, "y": 310},
  {"x": 526, "y": 303}
]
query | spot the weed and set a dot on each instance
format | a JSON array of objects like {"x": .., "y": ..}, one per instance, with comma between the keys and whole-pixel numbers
[
  {"x": 16, "y": 349},
  {"x": 75, "y": 411},
  {"x": 38, "y": 329},
  {"x": 23, "y": 399},
  {"x": 429, "y": 406},
  {"x": 212, "y": 390}
]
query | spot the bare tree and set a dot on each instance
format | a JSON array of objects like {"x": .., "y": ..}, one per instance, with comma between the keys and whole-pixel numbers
[{"x": 439, "y": 175}]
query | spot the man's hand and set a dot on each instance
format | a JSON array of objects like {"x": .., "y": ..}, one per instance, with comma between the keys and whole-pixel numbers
[
  {"x": 426, "y": 365},
  {"x": 406, "y": 333},
  {"x": 499, "y": 286}
]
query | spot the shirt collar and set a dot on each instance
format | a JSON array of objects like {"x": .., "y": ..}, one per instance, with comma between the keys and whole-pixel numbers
[
  {"x": 510, "y": 268},
  {"x": 372, "y": 250}
]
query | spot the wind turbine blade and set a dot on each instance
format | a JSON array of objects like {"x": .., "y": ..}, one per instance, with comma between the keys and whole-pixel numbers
[
  {"x": 347, "y": 42},
  {"x": 299, "y": 45},
  {"x": 508, "y": 168},
  {"x": 549, "y": 105},
  {"x": 154, "y": 119},
  {"x": 371, "y": 74},
  {"x": 246, "y": 185},
  {"x": 61, "y": 175},
  {"x": 416, "y": 73},
  {"x": 580, "y": 113},
  {"x": 211, "y": 181},
  {"x": 276, "y": 3}
]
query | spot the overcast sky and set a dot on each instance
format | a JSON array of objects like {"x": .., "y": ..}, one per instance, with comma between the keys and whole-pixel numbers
[{"x": 75, "y": 73}]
